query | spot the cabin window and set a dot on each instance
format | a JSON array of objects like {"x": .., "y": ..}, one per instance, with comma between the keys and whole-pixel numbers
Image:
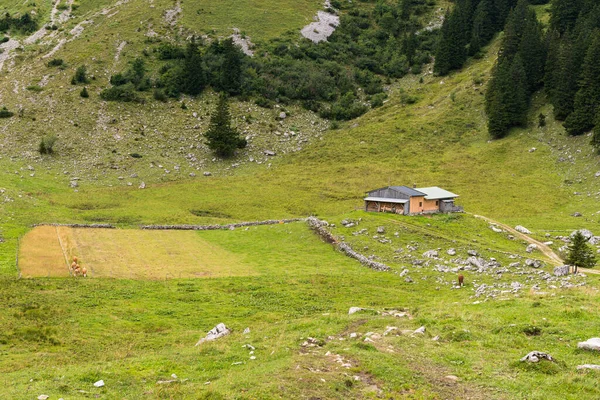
[
  {"x": 437, "y": 202},
  {"x": 420, "y": 204}
]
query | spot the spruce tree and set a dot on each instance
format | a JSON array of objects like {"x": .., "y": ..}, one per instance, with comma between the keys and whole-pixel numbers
[
  {"x": 484, "y": 26},
  {"x": 564, "y": 14},
  {"x": 451, "y": 53},
  {"x": 564, "y": 86},
  {"x": 231, "y": 71},
  {"x": 587, "y": 100},
  {"x": 533, "y": 52},
  {"x": 221, "y": 137},
  {"x": 580, "y": 254},
  {"x": 193, "y": 76}
]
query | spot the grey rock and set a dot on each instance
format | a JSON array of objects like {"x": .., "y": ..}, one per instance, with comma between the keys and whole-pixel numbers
[
  {"x": 420, "y": 331},
  {"x": 597, "y": 174},
  {"x": 246, "y": 331},
  {"x": 43, "y": 397},
  {"x": 536, "y": 356},
  {"x": 270, "y": 153},
  {"x": 522, "y": 229},
  {"x": 354, "y": 310},
  {"x": 476, "y": 262},
  {"x": 563, "y": 270},
  {"x": 587, "y": 234},
  {"x": 530, "y": 248},
  {"x": 408, "y": 279},
  {"x": 590, "y": 344},
  {"x": 74, "y": 184},
  {"x": 282, "y": 115},
  {"x": 516, "y": 286},
  {"x": 99, "y": 384},
  {"x": 380, "y": 229},
  {"x": 451, "y": 252},
  {"x": 594, "y": 240},
  {"x": 533, "y": 263},
  {"x": 142, "y": 185},
  {"x": 207, "y": 173},
  {"x": 472, "y": 253},
  {"x": 577, "y": 214},
  {"x": 215, "y": 333},
  {"x": 496, "y": 229},
  {"x": 431, "y": 254}
]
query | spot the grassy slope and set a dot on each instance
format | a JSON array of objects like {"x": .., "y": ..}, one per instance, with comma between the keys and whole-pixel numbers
[{"x": 131, "y": 334}]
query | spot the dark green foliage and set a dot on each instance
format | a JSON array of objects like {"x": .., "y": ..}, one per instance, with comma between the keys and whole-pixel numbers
[
  {"x": 4, "y": 113},
  {"x": 580, "y": 254},
  {"x": 25, "y": 23},
  {"x": 506, "y": 97},
  {"x": 80, "y": 76},
  {"x": 125, "y": 93},
  {"x": 46, "y": 145},
  {"x": 541, "y": 120},
  {"x": 167, "y": 51},
  {"x": 596, "y": 134},
  {"x": 347, "y": 107},
  {"x": 56, "y": 62},
  {"x": 84, "y": 93},
  {"x": 451, "y": 53},
  {"x": 221, "y": 137},
  {"x": 484, "y": 26},
  {"x": 564, "y": 14},
  {"x": 587, "y": 99},
  {"x": 160, "y": 95}
]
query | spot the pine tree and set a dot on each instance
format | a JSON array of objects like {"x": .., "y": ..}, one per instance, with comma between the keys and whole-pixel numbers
[
  {"x": 580, "y": 254},
  {"x": 222, "y": 138},
  {"x": 521, "y": 19},
  {"x": 451, "y": 53},
  {"x": 587, "y": 100},
  {"x": 533, "y": 52},
  {"x": 193, "y": 76},
  {"x": 564, "y": 86},
  {"x": 484, "y": 26},
  {"x": 564, "y": 14},
  {"x": 231, "y": 71}
]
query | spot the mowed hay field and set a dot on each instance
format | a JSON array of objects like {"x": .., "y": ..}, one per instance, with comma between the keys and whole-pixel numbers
[{"x": 126, "y": 253}]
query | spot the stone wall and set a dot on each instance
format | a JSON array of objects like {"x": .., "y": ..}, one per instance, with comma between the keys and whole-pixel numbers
[{"x": 217, "y": 227}]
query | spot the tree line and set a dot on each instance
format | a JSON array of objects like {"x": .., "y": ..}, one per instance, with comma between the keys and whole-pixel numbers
[
  {"x": 563, "y": 59},
  {"x": 340, "y": 79}
]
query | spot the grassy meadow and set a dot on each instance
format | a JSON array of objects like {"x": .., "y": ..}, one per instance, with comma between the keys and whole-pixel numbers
[{"x": 60, "y": 335}]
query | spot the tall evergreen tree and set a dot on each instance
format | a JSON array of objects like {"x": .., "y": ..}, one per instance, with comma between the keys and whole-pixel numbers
[
  {"x": 587, "y": 100},
  {"x": 484, "y": 26},
  {"x": 533, "y": 52},
  {"x": 231, "y": 71},
  {"x": 564, "y": 14},
  {"x": 222, "y": 138},
  {"x": 580, "y": 254},
  {"x": 451, "y": 53},
  {"x": 564, "y": 85},
  {"x": 520, "y": 19},
  {"x": 193, "y": 75}
]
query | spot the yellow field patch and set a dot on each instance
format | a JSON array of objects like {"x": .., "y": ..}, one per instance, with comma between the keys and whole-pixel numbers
[{"x": 127, "y": 253}]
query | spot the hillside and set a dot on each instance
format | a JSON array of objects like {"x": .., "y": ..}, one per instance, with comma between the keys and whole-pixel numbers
[{"x": 292, "y": 290}]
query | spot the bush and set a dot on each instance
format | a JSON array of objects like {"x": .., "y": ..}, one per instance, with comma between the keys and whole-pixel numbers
[
  {"x": 160, "y": 95},
  {"x": 47, "y": 144},
  {"x": 84, "y": 93},
  {"x": 56, "y": 62},
  {"x": 4, "y": 113},
  {"x": 80, "y": 76},
  {"x": 378, "y": 99},
  {"x": 34, "y": 88},
  {"x": 125, "y": 93}
]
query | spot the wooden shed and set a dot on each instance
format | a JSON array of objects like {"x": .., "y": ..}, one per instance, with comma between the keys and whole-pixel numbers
[{"x": 411, "y": 201}]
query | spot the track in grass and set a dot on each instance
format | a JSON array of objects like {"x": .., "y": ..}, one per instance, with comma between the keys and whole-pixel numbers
[{"x": 109, "y": 253}]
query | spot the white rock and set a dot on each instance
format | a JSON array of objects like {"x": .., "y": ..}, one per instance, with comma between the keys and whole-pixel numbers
[
  {"x": 536, "y": 356},
  {"x": 246, "y": 331},
  {"x": 590, "y": 344},
  {"x": 587, "y": 234},
  {"x": 421, "y": 330},
  {"x": 563, "y": 270},
  {"x": 589, "y": 366},
  {"x": 431, "y": 254},
  {"x": 531, "y": 248},
  {"x": 451, "y": 252},
  {"x": 43, "y": 397},
  {"x": 354, "y": 310},
  {"x": 522, "y": 229},
  {"x": 215, "y": 333},
  {"x": 99, "y": 384}
]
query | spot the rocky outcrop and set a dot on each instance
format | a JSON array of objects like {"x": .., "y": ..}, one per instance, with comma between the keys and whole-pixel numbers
[{"x": 215, "y": 333}]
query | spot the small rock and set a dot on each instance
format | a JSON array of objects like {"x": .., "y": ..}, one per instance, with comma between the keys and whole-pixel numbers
[
  {"x": 142, "y": 185},
  {"x": 431, "y": 254},
  {"x": 207, "y": 173},
  {"x": 597, "y": 174},
  {"x": 590, "y": 344},
  {"x": 522, "y": 229},
  {"x": 536, "y": 356},
  {"x": 563, "y": 270},
  {"x": 530, "y": 248},
  {"x": 215, "y": 333},
  {"x": 380, "y": 229},
  {"x": 354, "y": 310},
  {"x": 451, "y": 252},
  {"x": 588, "y": 366},
  {"x": 270, "y": 153},
  {"x": 282, "y": 115},
  {"x": 99, "y": 384},
  {"x": 43, "y": 397},
  {"x": 531, "y": 150},
  {"x": 420, "y": 331},
  {"x": 451, "y": 378},
  {"x": 472, "y": 253},
  {"x": 533, "y": 263},
  {"x": 74, "y": 184},
  {"x": 246, "y": 331},
  {"x": 192, "y": 174}
]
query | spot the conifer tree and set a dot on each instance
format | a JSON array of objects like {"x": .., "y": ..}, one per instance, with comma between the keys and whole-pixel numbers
[
  {"x": 564, "y": 86},
  {"x": 451, "y": 53},
  {"x": 580, "y": 254},
  {"x": 231, "y": 71},
  {"x": 484, "y": 26},
  {"x": 221, "y": 137},
  {"x": 533, "y": 52},
  {"x": 587, "y": 99},
  {"x": 564, "y": 14},
  {"x": 193, "y": 75}
]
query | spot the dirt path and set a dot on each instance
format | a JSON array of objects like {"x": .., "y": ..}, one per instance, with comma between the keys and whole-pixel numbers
[{"x": 547, "y": 251}]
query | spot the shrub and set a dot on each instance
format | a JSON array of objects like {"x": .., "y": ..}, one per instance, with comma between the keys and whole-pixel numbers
[
  {"x": 47, "y": 144},
  {"x": 84, "y": 93},
  {"x": 56, "y": 62},
  {"x": 377, "y": 100},
  {"x": 4, "y": 113},
  {"x": 160, "y": 95},
  {"x": 80, "y": 76},
  {"x": 34, "y": 88},
  {"x": 125, "y": 93}
]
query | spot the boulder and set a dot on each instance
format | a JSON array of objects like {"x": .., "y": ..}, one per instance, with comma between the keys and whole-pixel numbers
[
  {"x": 577, "y": 214},
  {"x": 472, "y": 253},
  {"x": 215, "y": 333},
  {"x": 594, "y": 240},
  {"x": 451, "y": 252},
  {"x": 431, "y": 254},
  {"x": 380, "y": 229},
  {"x": 533, "y": 263},
  {"x": 282, "y": 115},
  {"x": 270, "y": 153},
  {"x": 563, "y": 270},
  {"x": 522, "y": 229},
  {"x": 74, "y": 184},
  {"x": 476, "y": 262},
  {"x": 354, "y": 310},
  {"x": 536, "y": 356},
  {"x": 530, "y": 248},
  {"x": 590, "y": 344},
  {"x": 43, "y": 397},
  {"x": 420, "y": 331}
]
